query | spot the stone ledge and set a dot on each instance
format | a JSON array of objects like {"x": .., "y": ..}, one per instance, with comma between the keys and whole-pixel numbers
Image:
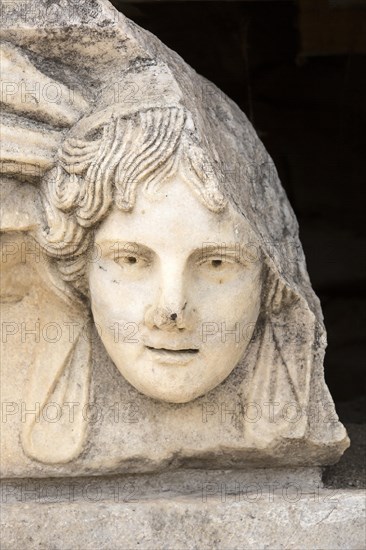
[
  {"x": 176, "y": 483},
  {"x": 325, "y": 519}
]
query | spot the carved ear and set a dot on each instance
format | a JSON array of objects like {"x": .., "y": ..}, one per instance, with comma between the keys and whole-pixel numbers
[{"x": 58, "y": 390}]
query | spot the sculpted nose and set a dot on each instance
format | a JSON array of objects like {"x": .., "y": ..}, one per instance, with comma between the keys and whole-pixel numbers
[
  {"x": 163, "y": 318},
  {"x": 170, "y": 311}
]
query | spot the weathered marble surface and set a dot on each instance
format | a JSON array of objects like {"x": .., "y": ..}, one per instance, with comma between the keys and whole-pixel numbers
[
  {"x": 77, "y": 89},
  {"x": 220, "y": 510}
]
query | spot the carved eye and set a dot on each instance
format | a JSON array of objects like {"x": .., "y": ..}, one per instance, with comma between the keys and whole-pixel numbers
[
  {"x": 216, "y": 263},
  {"x": 130, "y": 260},
  {"x": 218, "y": 268}
]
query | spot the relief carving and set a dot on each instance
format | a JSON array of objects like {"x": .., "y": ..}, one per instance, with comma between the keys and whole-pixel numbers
[{"x": 163, "y": 213}]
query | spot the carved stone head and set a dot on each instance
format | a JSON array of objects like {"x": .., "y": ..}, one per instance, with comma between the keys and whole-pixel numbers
[
  {"x": 164, "y": 225},
  {"x": 173, "y": 272}
]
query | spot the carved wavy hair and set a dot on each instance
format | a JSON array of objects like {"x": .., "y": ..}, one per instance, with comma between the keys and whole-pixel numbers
[{"x": 106, "y": 168}]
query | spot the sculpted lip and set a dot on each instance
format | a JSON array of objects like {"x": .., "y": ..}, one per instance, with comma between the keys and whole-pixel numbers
[
  {"x": 172, "y": 356},
  {"x": 185, "y": 350}
]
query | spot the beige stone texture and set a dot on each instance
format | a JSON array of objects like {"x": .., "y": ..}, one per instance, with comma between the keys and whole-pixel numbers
[
  {"x": 156, "y": 308},
  {"x": 199, "y": 510}
]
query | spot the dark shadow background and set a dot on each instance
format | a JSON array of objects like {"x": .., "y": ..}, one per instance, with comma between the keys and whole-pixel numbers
[{"x": 298, "y": 70}]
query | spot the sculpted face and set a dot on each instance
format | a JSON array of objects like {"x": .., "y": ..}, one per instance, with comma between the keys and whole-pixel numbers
[{"x": 173, "y": 296}]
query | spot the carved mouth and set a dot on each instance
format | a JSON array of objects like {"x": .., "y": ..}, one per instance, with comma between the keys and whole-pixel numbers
[
  {"x": 185, "y": 350},
  {"x": 173, "y": 356}
]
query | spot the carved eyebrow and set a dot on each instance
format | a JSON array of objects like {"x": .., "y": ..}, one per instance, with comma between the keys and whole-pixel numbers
[
  {"x": 221, "y": 248},
  {"x": 221, "y": 245},
  {"x": 231, "y": 251},
  {"x": 117, "y": 247}
]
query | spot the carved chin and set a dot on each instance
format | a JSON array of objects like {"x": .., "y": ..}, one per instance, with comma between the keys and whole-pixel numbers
[{"x": 175, "y": 380}]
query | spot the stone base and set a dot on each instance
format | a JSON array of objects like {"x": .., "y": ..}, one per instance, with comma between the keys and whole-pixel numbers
[{"x": 190, "y": 509}]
